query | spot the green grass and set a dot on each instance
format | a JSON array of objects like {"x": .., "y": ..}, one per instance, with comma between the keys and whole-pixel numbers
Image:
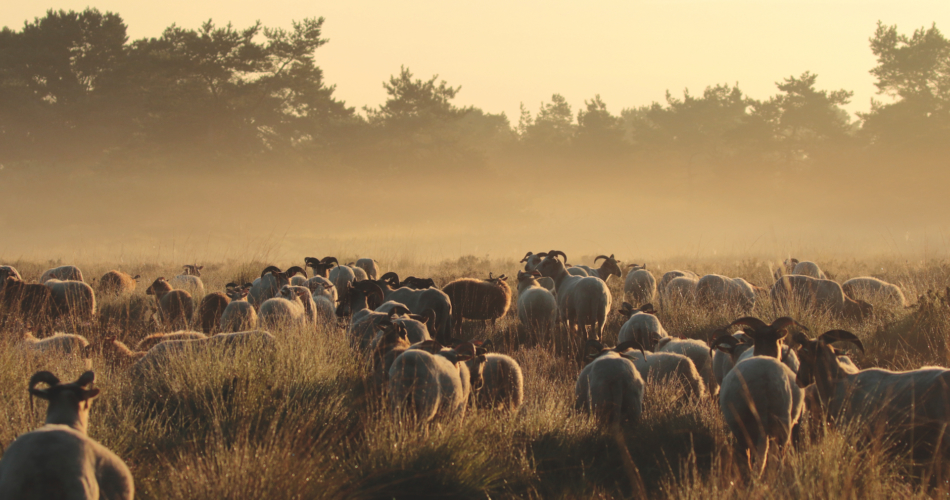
[{"x": 307, "y": 422}]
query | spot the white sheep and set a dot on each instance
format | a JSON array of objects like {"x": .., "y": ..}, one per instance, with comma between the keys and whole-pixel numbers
[
  {"x": 808, "y": 268},
  {"x": 369, "y": 266},
  {"x": 726, "y": 350},
  {"x": 716, "y": 290},
  {"x": 72, "y": 299},
  {"x": 359, "y": 272},
  {"x": 582, "y": 301},
  {"x": 321, "y": 286},
  {"x": 286, "y": 308},
  {"x": 59, "y": 343},
  {"x": 668, "y": 366},
  {"x": 610, "y": 388},
  {"x": 340, "y": 276},
  {"x": 268, "y": 285},
  {"x": 642, "y": 325},
  {"x": 671, "y": 275},
  {"x": 59, "y": 459},
  {"x": 239, "y": 315},
  {"x": 823, "y": 295},
  {"x": 189, "y": 280},
  {"x": 679, "y": 290},
  {"x": 419, "y": 302},
  {"x": 62, "y": 273},
  {"x": 223, "y": 343},
  {"x": 537, "y": 308},
  {"x": 698, "y": 352},
  {"x": 610, "y": 267},
  {"x": 639, "y": 287},
  {"x": 424, "y": 384},
  {"x": 500, "y": 381},
  {"x": 867, "y": 287}
]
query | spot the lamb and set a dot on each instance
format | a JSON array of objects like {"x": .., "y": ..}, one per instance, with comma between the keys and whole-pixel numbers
[
  {"x": 819, "y": 294},
  {"x": 61, "y": 344},
  {"x": 759, "y": 397},
  {"x": 477, "y": 299},
  {"x": 59, "y": 459},
  {"x": 610, "y": 388},
  {"x": 268, "y": 285},
  {"x": 30, "y": 300},
  {"x": 498, "y": 380},
  {"x": 211, "y": 309},
  {"x": 369, "y": 266},
  {"x": 286, "y": 308},
  {"x": 914, "y": 404},
  {"x": 582, "y": 302},
  {"x": 537, "y": 308},
  {"x": 426, "y": 381},
  {"x": 873, "y": 288},
  {"x": 175, "y": 307},
  {"x": 190, "y": 280},
  {"x": 239, "y": 315},
  {"x": 74, "y": 300},
  {"x": 715, "y": 290},
  {"x": 62, "y": 273},
  {"x": 808, "y": 268},
  {"x": 642, "y": 326},
  {"x": 157, "y": 338},
  {"x": 117, "y": 283},
  {"x": 224, "y": 344},
  {"x": 639, "y": 287},
  {"x": 698, "y": 352}
]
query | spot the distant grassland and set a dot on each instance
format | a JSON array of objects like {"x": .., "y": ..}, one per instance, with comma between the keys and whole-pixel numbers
[{"x": 308, "y": 423}]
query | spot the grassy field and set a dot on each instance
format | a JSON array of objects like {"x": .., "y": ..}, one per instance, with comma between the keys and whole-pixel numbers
[{"x": 308, "y": 423}]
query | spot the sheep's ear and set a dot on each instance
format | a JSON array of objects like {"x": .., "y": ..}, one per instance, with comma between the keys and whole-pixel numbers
[{"x": 87, "y": 394}]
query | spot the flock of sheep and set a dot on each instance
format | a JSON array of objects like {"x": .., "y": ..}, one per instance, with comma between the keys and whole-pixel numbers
[{"x": 409, "y": 333}]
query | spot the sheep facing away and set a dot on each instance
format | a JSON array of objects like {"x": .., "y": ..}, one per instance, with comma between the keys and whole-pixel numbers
[
  {"x": 478, "y": 299},
  {"x": 239, "y": 315},
  {"x": 190, "y": 280},
  {"x": 610, "y": 388},
  {"x": 537, "y": 307},
  {"x": 72, "y": 300},
  {"x": 62, "y": 273},
  {"x": 210, "y": 310},
  {"x": 497, "y": 380},
  {"x": 642, "y": 325},
  {"x": 175, "y": 307},
  {"x": 427, "y": 381},
  {"x": 583, "y": 302},
  {"x": 59, "y": 459},
  {"x": 224, "y": 344},
  {"x": 62, "y": 344},
  {"x": 31, "y": 301},
  {"x": 871, "y": 289},
  {"x": 639, "y": 287},
  {"x": 117, "y": 283}
]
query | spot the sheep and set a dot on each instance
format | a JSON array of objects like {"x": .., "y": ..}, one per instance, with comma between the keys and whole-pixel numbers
[
  {"x": 363, "y": 295},
  {"x": 577, "y": 271},
  {"x": 362, "y": 330},
  {"x": 287, "y": 307},
  {"x": 30, "y": 300},
  {"x": 822, "y": 295},
  {"x": 239, "y": 315},
  {"x": 321, "y": 267},
  {"x": 369, "y": 266},
  {"x": 914, "y": 405},
  {"x": 175, "y": 307},
  {"x": 610, "y": 388},
  {"x": 118, "y": 355},
  {"x": 873, "y": 288},
  {"x": 639, "y": 287},
  {"x": 698, "y": 352},
  {"x": 60, "y": 343},
  {"x": 610, "y": 267},
  {"x": 211, "y": 309},
  {"x": 808, "y": 268},
  {"x": 295, "y": 280},
  {"x": 8, "y": 271},
  {"x": 716, "y": 290},
  {"x": 531, "y": 261},
  {"x": 537, "y": 308},
  {"x": 72, "y": 299},
  {"x": 671, "y": 275},
  {"x": 190, "y": 280},
  {"x": 118, "y": 283},
  {"x": 498, "y": 381},
  {"x": 157, "y": 338},
  {"x": 426, "y": 381},
  {"x": 420, "y": 301},
  {"x": 357, "y": 271},
  {"x": 582, "y": 302},
  {"x": 415, "y": 283},
  {"x": 223, "y": 344},
  {"x": 759, "y": 397},
  {"x": 59, "y": 459},
  {"x": 62, "y": 273},
  {"x": 478, "y": 299},
  {"x": 341, "y": 275},
  {"x": 391, "y": 342},
  {"x": 321, "y": 287},
  {"x": 726, "y": 350},
  {"x": 642, "y": 326},
  {"x": 325, "y": 310},
  {"x": 268, "y": 285},
  {"x": 665, "y": 366},
  {"x": 679, "y": 290}
]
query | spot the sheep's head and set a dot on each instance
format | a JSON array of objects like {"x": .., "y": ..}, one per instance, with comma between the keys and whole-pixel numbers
[
  {"x": 295, "y": 270},
  {"x": 636, "y": 267},
  {"x": 551, "y": 265},
  {"x": 367, "y": 290},
  {"x": 627, "y": 309},
  {"x": 413, "y": 282},
  {"x": 766, "y": 337},
  {"x": 288, "y": 293},
  {"x": 391, "y": 279},
  {"x": 497, "y": 281},
  {"x": 610, "y": 264},
  {"x": 158, "y": 287},
  {"x": 729, "y": 344},
  {"x": 531, "y": 276},
  {"x": 235, "y": 292},
  {"x": 857, "y": 310},
  {"x": 192, "y": 269},
  {"x": 68, "y": 403},
  {"x": 321, "y": 267},
  {"x": 596, "y": 349},
  {"x": 820, "y": 352}
]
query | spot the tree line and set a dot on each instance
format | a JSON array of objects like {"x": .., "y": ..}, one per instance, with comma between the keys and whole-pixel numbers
[{"x": 74, "y": 88}]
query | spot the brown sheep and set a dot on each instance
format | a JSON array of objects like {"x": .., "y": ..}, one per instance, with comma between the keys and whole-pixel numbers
[
  {"x": 210, "y": 310},
  {"x": 117, "y": 283},
  {"x": 157, "y": 338},
  {"x": 175, "y": 307},
  {"x": 478, "y": 299},
  {"x": 31, "y": 301},
  {"x": 117, "y": 354}
]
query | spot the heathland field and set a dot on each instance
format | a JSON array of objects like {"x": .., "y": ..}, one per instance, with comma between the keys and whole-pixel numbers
[{"x": 308, "y": 421}]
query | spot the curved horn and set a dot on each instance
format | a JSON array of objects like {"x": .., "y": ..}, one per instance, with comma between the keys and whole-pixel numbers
[
  {"x": 389, "y": 275},
  {"x": 372, "y": 289},
  {"x": 43, "y": 376},
  {"x": 600, "y": 257},
  {"x": 785, "y": 322},
  {"x": 723, "y": 339},
  {"x": 292, "y": 271},
  {"x": 399, "y": 310},
  {"x": 525, "y": 259},
  {"x": 631, "y": 344},
  {"x": 555, "y": 253},
  {"x": 595, "y": 344},
  {"x": 87, "y": 378},
  {"x": 230, "y": 285},
  {"x": 840, "y": 335},
  {"x": 756, "y": 323},
  {"x": 327, "y": 260},
  {"x": 311, "y": 261},
  {"x": 542, "y": 254},
  {"x": 270, "y": 269}
]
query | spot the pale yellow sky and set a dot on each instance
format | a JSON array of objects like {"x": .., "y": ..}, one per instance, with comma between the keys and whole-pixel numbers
[{"x": 505, "y": 52}]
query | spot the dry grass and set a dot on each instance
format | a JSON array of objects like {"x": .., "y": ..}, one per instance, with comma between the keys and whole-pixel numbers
[{"x": 306, "y": 423}]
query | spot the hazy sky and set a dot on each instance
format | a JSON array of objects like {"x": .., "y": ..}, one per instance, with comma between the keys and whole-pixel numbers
[{"x": 504, "y": 53}]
